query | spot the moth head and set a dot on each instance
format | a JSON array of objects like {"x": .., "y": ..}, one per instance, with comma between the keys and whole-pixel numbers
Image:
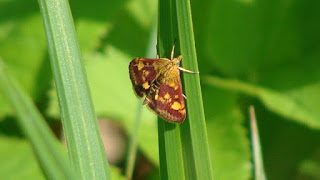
[{"x": 177, "y": 60}]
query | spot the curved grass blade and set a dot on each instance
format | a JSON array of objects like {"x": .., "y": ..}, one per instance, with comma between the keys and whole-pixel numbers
[
  {"x": 78, "y": 116},
  {"x": 259, "y": 173},
  {"x": 49, "y": 151}
]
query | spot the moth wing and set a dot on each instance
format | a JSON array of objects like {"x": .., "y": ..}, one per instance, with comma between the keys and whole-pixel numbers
[
  {"x": 166, "y": 99},
  {"x": 143, "y": 71}
]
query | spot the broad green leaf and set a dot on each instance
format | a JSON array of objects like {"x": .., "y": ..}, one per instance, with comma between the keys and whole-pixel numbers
[
  {"x": 148, "y": 7},
  {"x": 296, "y": 105},
  {"x": 90, "y": 33},
  {"x": 310, "y": 167},
  {"x": 250, "y": 38},
  {"x": 132, "y": 28},
  {"x": 116, "y": 173},
  {"x": 228, "y": 138},
  {"x": 295, "y": 143},
  {"x": 94, "y": 21}
]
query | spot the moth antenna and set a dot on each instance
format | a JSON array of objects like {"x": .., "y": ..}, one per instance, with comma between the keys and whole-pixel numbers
[
  {"x": 185, "y": 97},
  {"x": 145, "y": 65},
  {"x": 187, "y": 71},
  {"x": 172, "y": 52},
  {"x": 157, "y": 51},
  {"x": 146, "y": 101}
]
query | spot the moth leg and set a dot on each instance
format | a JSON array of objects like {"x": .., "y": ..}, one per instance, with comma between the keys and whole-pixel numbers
[
  {"x": 152, "y": 92},
  {"x": 187, "y": 71},
  {"x": 185, "y": 97},
  {"x": 146, "y": 101},
  {"x": 172, "y": 52}
]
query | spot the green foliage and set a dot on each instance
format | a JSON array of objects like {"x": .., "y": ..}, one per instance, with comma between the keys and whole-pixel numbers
[
  {"x": 79, "y": 120},
  {"x": 18, "y": 155},
  {"x": 191, "y": 158},
  {"x": 23, "y": 49},
  {"x": 262, "y": 53},
  {"x": 290, "y": 104},
  {"x": 225, "y": 121},
  {"x": 171, "y": 162},
  {"x": 52, "y": 157}
]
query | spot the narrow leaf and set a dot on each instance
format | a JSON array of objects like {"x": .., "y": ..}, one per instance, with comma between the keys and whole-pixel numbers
[
  {"x": 194, "y": 135},
  {"x": 184, "y": 149},
  {"x": 132, "y": 152},
  {"x": 259, "y": 173},
  {"x": 78, "y": 116},
  {"x": 49, "y": 151},
  {"x": 170, "y": 149}
]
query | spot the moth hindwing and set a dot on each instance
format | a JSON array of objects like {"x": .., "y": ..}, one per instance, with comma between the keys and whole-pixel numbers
[{"x": 159, "y": 80}]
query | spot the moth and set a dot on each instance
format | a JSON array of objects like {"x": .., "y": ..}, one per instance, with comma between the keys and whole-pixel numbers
[{"x": 159, "y": 81}]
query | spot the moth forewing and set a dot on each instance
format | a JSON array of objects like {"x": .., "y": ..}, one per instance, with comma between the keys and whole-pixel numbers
[{"x": 159, "y": 80}]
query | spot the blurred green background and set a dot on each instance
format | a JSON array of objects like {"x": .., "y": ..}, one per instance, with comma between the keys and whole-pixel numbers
[{"x": 270, "y": 47}]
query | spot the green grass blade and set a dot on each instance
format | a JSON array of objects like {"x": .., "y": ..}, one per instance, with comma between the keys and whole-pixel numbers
[
  {"x": 259, "y": 173},
  {"x": 49, "y": 151},
  {"x": 194, "y": 135},
  {"x": 170, "y": 149},
  {"x": 132, "y": 152},
  {"x": 184, "y": 149},
  {"x": 78, "y": 116},
  {"x": 133, "y": 144}
]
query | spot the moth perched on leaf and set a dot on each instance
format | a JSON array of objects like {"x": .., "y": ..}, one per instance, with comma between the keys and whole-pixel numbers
[{"x": 159, "y": 80}]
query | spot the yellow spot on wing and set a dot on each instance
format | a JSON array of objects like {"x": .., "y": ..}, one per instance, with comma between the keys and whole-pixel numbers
[
  {"x": 140, "y": 65},
  {"x": 146, "y": 73},
  {"x": 183, "y": 111},
  {"x": 176, "y": 96},
  {"x": 162, "y": 100},
  {"x": 174, "y": 85},
  {"x": 146, "y": 85},
  {"x": 156, "y": 97},
  {"x": 167, "y": 96},
  {"x": 176, "y": 106}
]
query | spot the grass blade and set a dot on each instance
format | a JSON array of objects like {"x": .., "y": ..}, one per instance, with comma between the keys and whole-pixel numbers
[
  {"x": 132, "y": 152},
  {"x": 190, "y": 138},
  {"x": 78, "y": 116},
  {"x": 194, "y": 135},
  {"x": 256, "y": 148},
  {"x": 170, "y": 149},
  {"x": 49, "y": 151},
  {"x": 133, "y": 144}
]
